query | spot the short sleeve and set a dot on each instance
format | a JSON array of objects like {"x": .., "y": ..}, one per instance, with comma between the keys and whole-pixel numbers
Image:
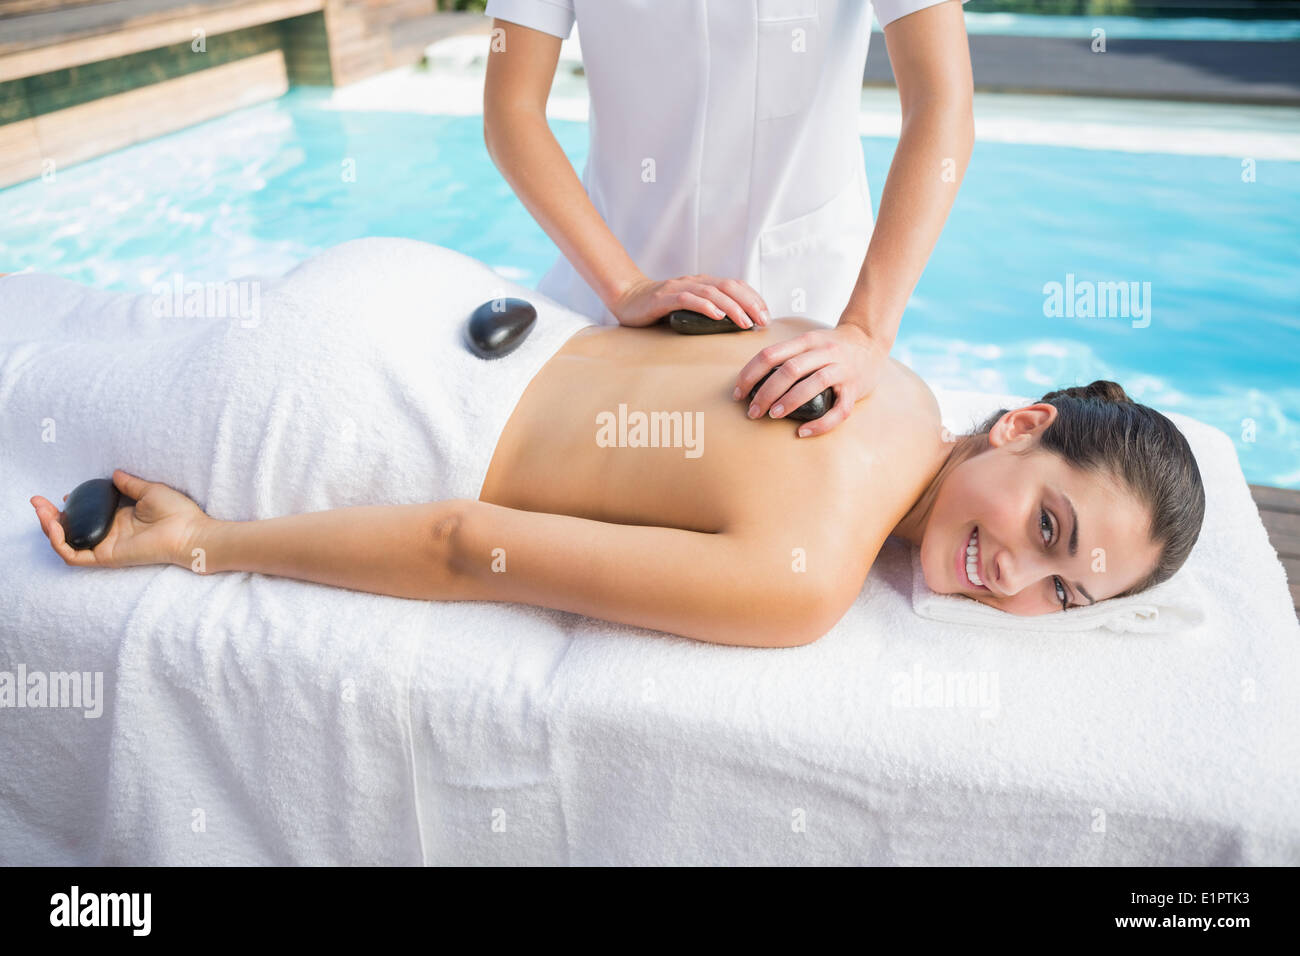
[
  {"x": 887, "y": 11},
  {"x": 549, "y": 16}
]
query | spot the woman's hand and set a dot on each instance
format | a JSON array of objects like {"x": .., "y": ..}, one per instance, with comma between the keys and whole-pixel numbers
[
  {"x": 157, "y": 529},
  {"x": 646, "y": 301},
  {"x": 844, "y": 358}
]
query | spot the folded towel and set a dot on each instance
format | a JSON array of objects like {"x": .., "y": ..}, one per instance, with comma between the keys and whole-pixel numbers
[
  {"x": 1175, "y": 605},
  {"x": 1171, "y": 606}
]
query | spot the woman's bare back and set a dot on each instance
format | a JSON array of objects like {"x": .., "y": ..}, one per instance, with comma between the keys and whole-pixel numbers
[{"x": 720, "y": 471}]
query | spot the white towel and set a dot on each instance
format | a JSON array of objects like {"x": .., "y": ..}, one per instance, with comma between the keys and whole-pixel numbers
[{"x": 342, "y": 383}]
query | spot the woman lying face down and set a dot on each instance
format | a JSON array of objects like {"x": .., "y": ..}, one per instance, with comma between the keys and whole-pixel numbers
[{"x": 734, "y": 531}]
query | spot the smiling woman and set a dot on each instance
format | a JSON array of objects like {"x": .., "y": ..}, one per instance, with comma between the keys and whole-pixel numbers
[
  {"x": 1085, "y": 496},
  {"x": 1080, "y": 497}
]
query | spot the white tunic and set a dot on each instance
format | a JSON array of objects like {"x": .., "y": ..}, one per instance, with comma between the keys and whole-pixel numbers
[{"x": 724, "y": 140}]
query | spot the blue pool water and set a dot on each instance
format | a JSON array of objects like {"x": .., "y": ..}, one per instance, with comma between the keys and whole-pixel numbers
[{"x": 257, "y": 191}]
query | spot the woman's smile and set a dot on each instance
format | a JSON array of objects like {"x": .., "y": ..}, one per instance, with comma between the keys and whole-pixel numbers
[{"x": 968, "y": 563}]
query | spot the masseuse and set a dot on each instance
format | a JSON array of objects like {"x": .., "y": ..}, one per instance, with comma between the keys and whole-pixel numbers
[{"x": 725, "y": 173}]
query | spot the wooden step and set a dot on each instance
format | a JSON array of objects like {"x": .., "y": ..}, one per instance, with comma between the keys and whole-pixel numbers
[
  {"x": 23, "y": 55},
  {"x": 1276, "y": 499},
  {"x": 91, "y": 129}
]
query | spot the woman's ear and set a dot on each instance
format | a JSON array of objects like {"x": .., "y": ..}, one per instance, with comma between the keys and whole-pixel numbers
[{"x": 1022, "y": 424}]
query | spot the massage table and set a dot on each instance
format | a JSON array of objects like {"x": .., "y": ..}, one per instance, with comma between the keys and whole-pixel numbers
[{"x": 248, "y": 719}]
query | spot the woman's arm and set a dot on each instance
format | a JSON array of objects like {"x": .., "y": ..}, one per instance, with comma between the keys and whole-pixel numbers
[
  {"x": 741, "y": 587},
  {"x": 930, "y": 57},
  {"x": 724, "y": 588},
  {"x": 721, "y": 588},
  {"x": 400, "y": 550},
  {"x": 521, "y": 144}
]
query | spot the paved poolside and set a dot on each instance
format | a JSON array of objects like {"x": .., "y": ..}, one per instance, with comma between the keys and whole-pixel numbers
[{"x": 1228, "y": 71}]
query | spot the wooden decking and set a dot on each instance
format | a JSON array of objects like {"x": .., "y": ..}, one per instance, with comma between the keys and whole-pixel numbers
[
  {"x": 61, "y": 39},
  {"x": 1280, "y": 509},
  {"x": 359, "y": 37},
  {"x": 80, "y": 78}
]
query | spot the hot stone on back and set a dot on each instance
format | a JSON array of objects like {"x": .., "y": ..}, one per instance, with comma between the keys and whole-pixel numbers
[
  {"x": 686, "y": 322},
  {"x": 815, "y": 407}
]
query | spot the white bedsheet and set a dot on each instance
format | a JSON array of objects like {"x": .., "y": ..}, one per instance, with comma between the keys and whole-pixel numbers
[{"x": 259, "y": 720}]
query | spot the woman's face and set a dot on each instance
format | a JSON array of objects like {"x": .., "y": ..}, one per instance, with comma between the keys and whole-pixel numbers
[{"x": 1018, "y": 510}]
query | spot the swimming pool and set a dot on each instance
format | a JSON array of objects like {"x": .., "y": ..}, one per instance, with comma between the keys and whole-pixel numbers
[{"x": 1214, "y": 257}]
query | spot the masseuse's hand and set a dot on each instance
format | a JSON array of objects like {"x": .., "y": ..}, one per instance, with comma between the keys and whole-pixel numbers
[
  {"x": 646, "y": 301},
  {"x": 157, "y": 529},
  {"x": 844, "y": 358}
]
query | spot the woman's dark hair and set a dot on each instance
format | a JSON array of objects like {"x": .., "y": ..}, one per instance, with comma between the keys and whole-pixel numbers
[{"x": 1099, "y": 429}]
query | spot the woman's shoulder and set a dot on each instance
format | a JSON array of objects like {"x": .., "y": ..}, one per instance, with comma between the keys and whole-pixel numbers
[
  {"x": 864, "y": 480},
  {"x": 914, "y": 389}
]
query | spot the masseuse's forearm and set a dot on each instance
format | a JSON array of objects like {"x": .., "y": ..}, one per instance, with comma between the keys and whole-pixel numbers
[
  {"x": 521, "y": 143},
  {"x": 399, "y": 550},
  {"x": 933, "y": 152}
]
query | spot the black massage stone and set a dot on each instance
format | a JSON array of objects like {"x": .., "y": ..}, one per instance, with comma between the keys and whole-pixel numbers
[
  {"x": 694, "y": 323},
  {"x": 88, "y": 513},
  {"x": 815, "y": 407},
  {"x": 499, "y": 326}
]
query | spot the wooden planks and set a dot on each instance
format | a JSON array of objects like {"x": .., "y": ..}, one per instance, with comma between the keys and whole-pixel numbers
[
  {"x": 20, "y": 153},
  {"x": 16, "y": 8},
  {"x": 1279, "y": 508},
  {"x": 72, "y": 135},
  {"x": 347, "y": 41},
  {"x": 371, "y": 36},
  {"x": 60, "y": 52},
  {"x": 70, "y": 77},
  {"x": 307, "y": 50}
]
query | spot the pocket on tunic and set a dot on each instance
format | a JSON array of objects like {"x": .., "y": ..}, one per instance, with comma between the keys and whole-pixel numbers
[
  {"x": 788, "y": 57},
  {"x": 810, "y": 264}
]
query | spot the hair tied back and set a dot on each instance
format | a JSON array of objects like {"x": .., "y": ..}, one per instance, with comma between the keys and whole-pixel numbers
[{"x": 1101, "y": 390}]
